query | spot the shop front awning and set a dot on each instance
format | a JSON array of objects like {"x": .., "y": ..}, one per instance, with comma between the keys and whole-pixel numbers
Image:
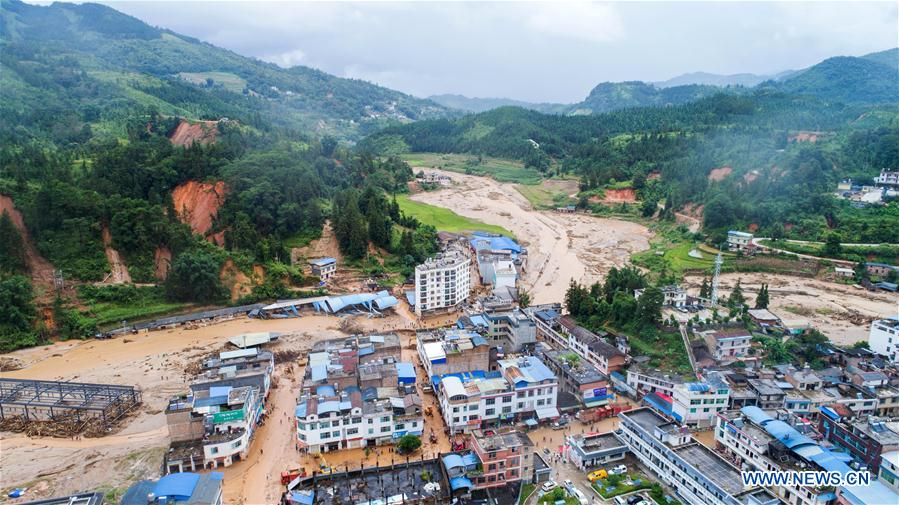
[{"x": 548, "y": 413}]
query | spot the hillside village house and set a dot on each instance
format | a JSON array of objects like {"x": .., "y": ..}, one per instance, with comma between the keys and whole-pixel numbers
[
  {"x": 581, "y": 379},
  {"x": 738, "y": 240},
  {"x": 506, "y": 455},
  {"x": 673, "y": 295},
  {"x": 323, "y": 268},
  {"x": 729, "y": 344},
  {"x": 887, "y": 178}
]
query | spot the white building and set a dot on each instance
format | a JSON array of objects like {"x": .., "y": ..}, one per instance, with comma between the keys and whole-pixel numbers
[
  {"x": 887, "y": 178},
  {"x": 697, "y": 403},
  {"x": 443, "y": 282},
  {"x": 738, "y": 240},
  {"x": 729, "y": 344},
  {"x": 329, "y": 423},
  {"x": 525, "y": 389},
  {"x": 323, "y": 268},
  {"x": 504, "y": 274},
  {"x": 889, "y": 470},
  {"x": 674, "y": 296},
  {"x": 884, "y": 338},
  {"x": 646, "y": 381},
  {"x": 695, "y": 472}
]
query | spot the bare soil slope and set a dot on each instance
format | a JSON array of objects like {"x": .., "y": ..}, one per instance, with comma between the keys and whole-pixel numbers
[
  {"x": 188, "y": 132},
  {"x": 41, "y": 270},
  {"x": 197, "y": 204}
]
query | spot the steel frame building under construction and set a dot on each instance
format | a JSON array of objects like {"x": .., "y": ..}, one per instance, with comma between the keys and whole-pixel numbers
[{"x": 37, "y": 400}]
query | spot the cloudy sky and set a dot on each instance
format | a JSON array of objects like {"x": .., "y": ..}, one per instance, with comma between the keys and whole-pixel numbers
[{"x": 529, "y": 51}]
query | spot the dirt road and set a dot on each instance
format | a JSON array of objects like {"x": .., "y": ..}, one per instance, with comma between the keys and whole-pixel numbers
[
  {"x": 838, "y": 310},
  {"x": 560, "y": 246}
]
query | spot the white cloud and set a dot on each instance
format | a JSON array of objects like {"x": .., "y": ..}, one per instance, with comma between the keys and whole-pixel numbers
[
  {"x": 287, "y": 59},
  {"x": 586, "y": 21}
]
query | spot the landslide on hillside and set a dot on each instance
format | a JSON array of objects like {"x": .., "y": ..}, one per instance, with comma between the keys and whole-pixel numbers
[
  {"x": 188, "y": 132},
  {"x": 41, "y": 270},
  {"x": 197, "y": 204}
]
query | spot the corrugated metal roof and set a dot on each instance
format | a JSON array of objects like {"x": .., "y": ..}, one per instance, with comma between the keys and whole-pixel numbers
[
  {"x": 453, "y": 386},
  {"x": 405, "y": 370}
]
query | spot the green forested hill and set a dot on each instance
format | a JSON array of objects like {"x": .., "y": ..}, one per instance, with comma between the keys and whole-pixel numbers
[
  {"x": 93, "y": 64},
  {"x": 780, "y": 150}
]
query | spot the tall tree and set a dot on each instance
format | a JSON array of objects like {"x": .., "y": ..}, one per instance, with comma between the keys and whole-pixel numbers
[
  {"x": 736, "y": 299},
  {"x": 705, "y": 291},
  {"x": 761, "y": 300}
]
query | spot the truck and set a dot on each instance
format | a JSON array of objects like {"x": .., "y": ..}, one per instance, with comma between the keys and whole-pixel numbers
[
  {"x": 600, "y": 413},
  {"x": 292, "y": 474}
]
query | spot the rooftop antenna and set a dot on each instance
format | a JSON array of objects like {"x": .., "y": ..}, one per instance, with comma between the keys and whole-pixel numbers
[{"x": 719, "y": 260}]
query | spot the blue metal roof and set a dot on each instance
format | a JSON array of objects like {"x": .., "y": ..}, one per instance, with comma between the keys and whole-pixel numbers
[
  {"x": 479, "y": 320},
  {"x": 494, "y": 243},
  {"x": 320, "y": 262},
  {"x": 386, "y": 302},
  {"x": 470, "y": 459},
  {"x": 369, "y": 394},
  {"x": 300, "y": 411},
  {"x": 329, "y": 406},
  {"x": 365, "y": 351},
  {"x": 756, "y": 415},
  {"x": 326, "y": 390},
  {"x": 478, "y": 341},
  {"x": 410, "y": 297},
  {"x": 453, "y": 461},
  {"x": 179, "y": 486},
  {"x": 319, "y": 372},
  {"x": 405, "y": 370},
  {"x": 787, "y": 434},
  {"x": 460, "y": 482},
  {"x": 304, "y": 498},
  {"x": 697, "y": 386}
]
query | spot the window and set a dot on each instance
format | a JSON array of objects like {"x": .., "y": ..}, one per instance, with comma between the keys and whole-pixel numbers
[
  {"x": 214, "y": 450},
  {"x": 385, "y": 419},
  {"x": 352, "y": 431},
  {"x": 336, "y": 434},
  {"x": 507, "y": 399},
  {"x": 455, "y": 419},
  {"x": 400, "y": 427},
  {"x": 455, "y": 410},
  {"x": 540, "y": 401},
  {"x": 356, "y": 420},
  {"x": 371, "y": 431},
  {"x": 235, "y": 445},
  {"x": 385, "y": 429},
  {"x": 490, "y": 412},
  {"x": 507, "y": 410},
  {"x": 490, "y": 401},
  {"x": 520, "y": 394}
]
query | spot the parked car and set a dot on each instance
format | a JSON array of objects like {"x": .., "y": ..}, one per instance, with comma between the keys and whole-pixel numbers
[
  {"x": 618, "y": 470},
  {"x": 581, "y": 497},
  {"x": 597, "y": 474},
  {"x": 620, "y": 500},
  {"x": 548, "y": 486},
  {"x": 635, "y": 499},
  {"x": 569, "y": 486}
]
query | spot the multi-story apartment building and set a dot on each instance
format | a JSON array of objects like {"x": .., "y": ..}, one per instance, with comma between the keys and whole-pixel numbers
[
  {"x": 506, "y": 455},
  {"x": 697, "y": 403},
  {"x": 646, "y": 381},
  {"x": 754, "y": 441},
  {"x": 770, "y": 395},
  {"x": 865, "y": 438},
  {"x": 729, "y": 344},
  {"x": 448, "y": 351},
  {"x": 512, "y": 330},
  {"x": 696, "y": 473},
  {"x": 211, "y": 427},
  {"x": 563, "y": 332},
  {"x": 889, "y": 470},
  {"x": 524, "y": 388},
  {"x": 884, "y": 338},
  {"x": 443, "y": 282},
  {"x": 587, "y": 384},
  {"x": 352, "y": 419}
]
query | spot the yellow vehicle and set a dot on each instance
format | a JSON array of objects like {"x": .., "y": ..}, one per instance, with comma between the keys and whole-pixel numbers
[{"x": 597, "y": 474}]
